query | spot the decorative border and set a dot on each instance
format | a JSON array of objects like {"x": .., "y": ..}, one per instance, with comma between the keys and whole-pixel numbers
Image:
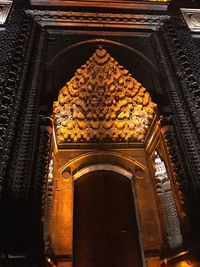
[{"x": 91, "y": 19}]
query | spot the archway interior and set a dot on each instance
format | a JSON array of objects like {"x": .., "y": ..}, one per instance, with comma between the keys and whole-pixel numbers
[{"x": 105, "y": 229}]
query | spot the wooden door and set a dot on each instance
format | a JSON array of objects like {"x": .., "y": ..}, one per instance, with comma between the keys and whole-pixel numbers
[{"x": 105, "y": 229}]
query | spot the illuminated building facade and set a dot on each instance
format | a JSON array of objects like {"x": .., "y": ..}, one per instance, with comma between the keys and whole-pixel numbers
[{"x": 100, "y": 149}]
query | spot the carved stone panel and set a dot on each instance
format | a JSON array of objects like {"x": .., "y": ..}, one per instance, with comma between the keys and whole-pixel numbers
[{"x": 103, "y": 102}]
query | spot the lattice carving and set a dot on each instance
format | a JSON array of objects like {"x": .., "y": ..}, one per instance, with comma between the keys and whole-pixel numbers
[{"x": 103, "y": 102}]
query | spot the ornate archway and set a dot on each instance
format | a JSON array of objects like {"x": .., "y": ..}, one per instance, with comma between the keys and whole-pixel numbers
[{"x": 105, "y": 119}]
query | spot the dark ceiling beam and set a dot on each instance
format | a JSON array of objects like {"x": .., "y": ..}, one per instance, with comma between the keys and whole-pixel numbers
[{"x": 120, "y": 4}]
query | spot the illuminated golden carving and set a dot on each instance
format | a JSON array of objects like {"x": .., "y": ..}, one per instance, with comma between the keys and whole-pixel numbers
[{"x": 103, "y": 103}]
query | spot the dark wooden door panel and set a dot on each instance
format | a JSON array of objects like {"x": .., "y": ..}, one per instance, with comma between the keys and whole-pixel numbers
[{"x": 105, "y": 228}]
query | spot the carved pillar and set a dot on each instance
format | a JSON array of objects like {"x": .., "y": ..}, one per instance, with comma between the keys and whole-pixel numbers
[
  {"x": 168, "y": 207},
  {"x": 176, "y": 162},
  {"x": 62, "y": 217},
  {"x": 39, "y": 181},
  {"x": 181, "y": 184},
  {"x": 48, "y": 206}
]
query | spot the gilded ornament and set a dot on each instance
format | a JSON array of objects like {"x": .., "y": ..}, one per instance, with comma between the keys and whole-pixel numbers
[
  {"x": 131, "y": 125},
  {"x": 70, "y": 125},
  {"x": 60, "y": 139},
  {"x": 134, "y": 92},
  {"x": 95, "y": 124},
  {"x": 94, "y": 116},
  {"x": 89, "y": 116},
  {"x": 79, "y": 115},
  {"x": 139, "y": 99},
  {"x": 121, "y": 95},
  {"x": 110, "y": 81},
  {"x": 113, "y": 116},
  {"x": 146, "y": 99},
  {"x": 120, "y": 124},
  {"x": 112, "y": 88},
  {"x": 62, "y": 100},
  {"x": 117, "y": 76},
  {"x": 82, "y": 125},
  {"x": 121, "y": 116},
  {"x": 79, "y": 71},
  {"x": 125, "y": 72},
  {"x": 101, "y": 52},
  {"x": 121, "y": 81},
  {"x": 64, "y": 123},
  {"x": 82, "y": 95},
  {"x": 130, "y": 85},
  {"x": 64, "y": 90},
  {"x": 56, "y": 110},
  {"x": 107, "y": 117},
  {"x": 82, "y": 80},
  {"x": 101, "y": 116},
  {"x": 107, "y": 124}
]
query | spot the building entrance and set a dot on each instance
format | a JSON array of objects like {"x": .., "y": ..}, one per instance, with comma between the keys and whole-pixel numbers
[{"x": 104, "y": 229}]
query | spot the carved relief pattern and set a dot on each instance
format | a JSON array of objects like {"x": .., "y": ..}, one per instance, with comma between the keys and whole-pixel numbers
[
  {"x": 180, "y": 101},
  {"x": 25, "y": 149},
  {"x": 187, "y": 60},
  {"x": 185, "y": 101},
  {"x": 168, "y": 207},
  {"x": 176, "y": 163},
  {"x": 12, "y": 57},
  {"x": 42, "y": 165},
  {"x": 94, "y": 19},
  {"x": 48, "y": 204},
  {"x": 103, "y": 102},
  {"x": 43, "y": 182}
]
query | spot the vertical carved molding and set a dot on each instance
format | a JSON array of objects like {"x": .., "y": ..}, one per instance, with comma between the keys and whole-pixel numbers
[
  {"x": 181, "y": 185},
  {"x": 168, "y": 207},
  {"x": 41, "y": 182},
  {"x": 13, "y": 68},
  {"x": 180, "y": 182},
  {"x": 42, "y": 164},
  {"x": 48, "y": 205},
  {"x": 185, "y": 98},
  {"x": 24, "y": 150},
  {"x": 21, "y": 74}
]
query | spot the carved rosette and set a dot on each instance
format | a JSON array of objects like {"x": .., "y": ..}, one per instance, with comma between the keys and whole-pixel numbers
[{"x": 103, "y": 102}]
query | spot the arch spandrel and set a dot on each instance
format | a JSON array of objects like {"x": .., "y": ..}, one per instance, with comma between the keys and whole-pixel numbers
[{"x": 103, "y": 102}]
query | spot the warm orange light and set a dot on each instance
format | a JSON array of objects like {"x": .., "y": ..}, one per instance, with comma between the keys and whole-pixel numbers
[
  {"x": 183, "y": 264},
  {"x": 178, "y": 255},
  {"x": 50, "y": 262}
]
